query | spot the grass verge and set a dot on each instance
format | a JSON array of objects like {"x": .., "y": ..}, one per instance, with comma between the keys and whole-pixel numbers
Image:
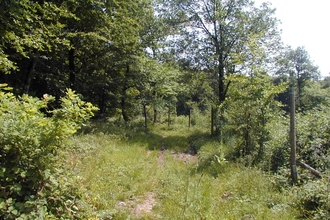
[{"x": 132, "y": 174}]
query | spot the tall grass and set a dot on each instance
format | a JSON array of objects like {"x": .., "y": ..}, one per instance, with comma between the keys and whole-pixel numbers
[{"x": 121, "y": 168}]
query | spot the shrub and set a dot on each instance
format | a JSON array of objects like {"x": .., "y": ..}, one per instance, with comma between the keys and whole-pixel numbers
[
  {"x": 248, "y": 112},
  {"x": 313, "y": 199},
  {"x": 32, "y": 184},
  {"x": 313, "y": 137}
]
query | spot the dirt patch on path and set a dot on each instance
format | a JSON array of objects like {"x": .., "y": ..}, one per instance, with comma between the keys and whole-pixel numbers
[
  {"x": 185, "y": 157},
  {"x": 139, "y": 206},
  {"x": 146, "y": 205}
]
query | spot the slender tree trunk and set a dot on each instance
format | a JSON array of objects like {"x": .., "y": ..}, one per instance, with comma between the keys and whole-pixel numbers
[
  {"x": 261, "y": 148},
  {"x": 31, "y": 67},
  {"x": 123, "y": 109},
  {"x": 102, "y": 102},
  {"x": 29, "y": 75},
  {"x": 155, "y": 115},
  {"x": 154, "y": 106},
  {"x": 123, "y": 96},
  {"x": 145, "y": 116},
  {"x": 221, "y": 77},
  {"x": 189, "y": 117},
  {"x": 212, "y": 121},
  {"x": 293, "y": 165},
  {"x": 246, "y": 142},
  {"x": 263, "y": 137},
  {"x": 72, "y": 69},
  {"x": 221, "y": 73}
]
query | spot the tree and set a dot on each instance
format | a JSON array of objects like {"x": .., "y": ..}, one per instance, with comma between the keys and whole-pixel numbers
[
  {"x": 296, "y": 64},
  {"x": 315, "y": 94},
  {"x": 127, "y": 45},
  {"x": 85, "y": 30},
  {"x": 223, "y": 38},
  {"x": 159, "y": 86},
  {"x": 249, "y": 109},
  {"x": 30, "y": 30}
]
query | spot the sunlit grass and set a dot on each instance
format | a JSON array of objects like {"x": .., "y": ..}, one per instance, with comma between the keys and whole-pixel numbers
[{"x": 119, "y": 169}]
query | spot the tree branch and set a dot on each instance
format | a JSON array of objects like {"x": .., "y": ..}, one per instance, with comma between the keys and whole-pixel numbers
[{"x": 306, "y": 166}]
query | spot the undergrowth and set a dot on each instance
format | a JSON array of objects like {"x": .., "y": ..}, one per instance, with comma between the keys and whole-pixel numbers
[
  {"x": 34, "y": 180},
  {"x": 184, "y": 171}
]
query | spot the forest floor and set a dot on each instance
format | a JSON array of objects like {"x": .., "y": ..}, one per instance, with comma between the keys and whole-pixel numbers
[{"x": 171, "y": 173}]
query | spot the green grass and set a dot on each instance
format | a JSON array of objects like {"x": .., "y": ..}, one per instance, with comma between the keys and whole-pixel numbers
[{"x": 121, "y": 167}]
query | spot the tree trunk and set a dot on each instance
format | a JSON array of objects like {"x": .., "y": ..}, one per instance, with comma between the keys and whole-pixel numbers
[
  {"x": 260, "y": 151},
  {"x": 29, "y": 75},
  {"x": 72, "y": 70},
  {"x": 102, "y": 102},
  {"x": 246, "y": 148},
  {"x": 154, "y": 93},
  {"x": 221, "y": 67},
  {"x": 293, "y": 165},
  {"x": 145, "y": 116},
  {"x": 123, "y": 96},
  {"x": 221, "y": 77},
  {"x": 212, "y": 121},
  {"x": 189, "y": 117},
  {"x": 155, "y": 115},
  {"x": 123, "y": 110},
  {"x": 263, "y": 137}
]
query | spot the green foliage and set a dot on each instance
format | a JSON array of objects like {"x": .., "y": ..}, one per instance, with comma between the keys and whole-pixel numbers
[
  {"x": 313, "y": 137},
  {"x": 211, "y": 158},
  {"x": 195, "y": 93},
  {"x": 294, "y": 65},
  {"x": 297, "y": 63},
  {"x": 278, "y": 147},
  {"x": 313, "y": 199},
  {"x": 248, "y": 111},
  {"x": 314, "y": 95},
  {"x": 29, "y": 26},
  {"x": 159, "y": 85},
  {"x": 132, "y": 178},
  {"x": 221, "y": 38},
  {"x": 33, "y": 182},
  {"x": 197, "y": 53}
]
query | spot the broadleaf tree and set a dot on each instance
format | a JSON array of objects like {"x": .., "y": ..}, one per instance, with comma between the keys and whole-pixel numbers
[
  {"x": 29, "y": 31},
  {"x": 222, "y": 37},
  {"x": 249, "y": 110},
  {"x": 297, "y": 66}
]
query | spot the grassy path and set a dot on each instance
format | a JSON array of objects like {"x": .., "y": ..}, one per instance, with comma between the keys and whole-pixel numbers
[{"x": 136, "y": 175}]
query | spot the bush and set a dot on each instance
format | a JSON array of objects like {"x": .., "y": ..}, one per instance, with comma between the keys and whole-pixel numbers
[
  {"x": 313, "y": 137},
  {"x": 32, "y": 184},
  {"x": 248, "y": 113},
  {"x": 313, "y": 199}
]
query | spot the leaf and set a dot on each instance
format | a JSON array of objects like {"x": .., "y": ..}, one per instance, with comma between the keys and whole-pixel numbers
[
  {"x": 2, "y": 204},
  {"x": 2, "y": 171}
]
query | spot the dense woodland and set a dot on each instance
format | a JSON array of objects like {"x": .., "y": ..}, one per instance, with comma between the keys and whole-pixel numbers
[{"x": 155, "y": 60}]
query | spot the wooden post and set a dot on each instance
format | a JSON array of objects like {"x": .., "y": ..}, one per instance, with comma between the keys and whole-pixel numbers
[{"x": 293, "y": 165}]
